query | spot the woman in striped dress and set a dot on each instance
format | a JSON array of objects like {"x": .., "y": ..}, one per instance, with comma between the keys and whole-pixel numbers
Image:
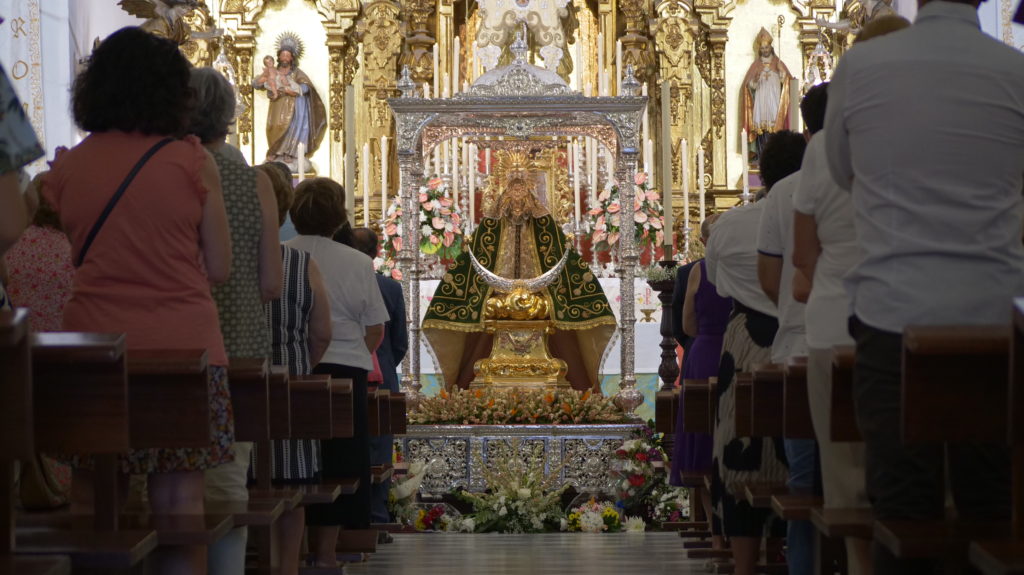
[{"x": 300, "y": 330}]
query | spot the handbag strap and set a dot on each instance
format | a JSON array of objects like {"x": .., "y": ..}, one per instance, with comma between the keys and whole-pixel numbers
[{"x": 117, "y": 196}]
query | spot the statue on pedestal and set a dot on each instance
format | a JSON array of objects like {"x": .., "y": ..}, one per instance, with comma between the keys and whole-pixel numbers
[
  {"x": 765, "y": 95},
  {"x": 470, "y": 324},
  {"x": 297, "y": 114}
]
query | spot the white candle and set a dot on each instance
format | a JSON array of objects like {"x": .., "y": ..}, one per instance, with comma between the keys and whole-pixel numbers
[
  {"x": 576, "y": 199},
  {"x": 700, "y": 181},
  {"x": 437, "y": 74},
  {"x": 487, "y": 161},
  {"x": 426, "y": 90},
  {"x": 383, "y": 177},
  {"x": 609, "y": 167},
  {"x": 445, "y": 146},
  {"x": 600, "y": 58},
  {"x": 472, "y": 184},
  {"x": 794, "y": 105},
  {"x": 366, "y": 159},
  {"x": 455, "y": 65},
  {"x": 666, "y": 166},
  {"x": 455, "y": 170},
  {"x": 350, "y": 153},
  {"x": 619, "y": 70},
  {"x": 592, "y": 168},
  {"x": 648, "y": 153},
  {"x": 300, "y": 161},
  {"x": 645, "y": 129},
  {"x": 745, "y": 152}
]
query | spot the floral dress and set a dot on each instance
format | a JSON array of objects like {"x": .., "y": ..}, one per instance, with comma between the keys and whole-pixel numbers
[{"x": 18, "y": 143}]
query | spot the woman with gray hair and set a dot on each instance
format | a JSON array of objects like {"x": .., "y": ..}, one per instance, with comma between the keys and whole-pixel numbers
[{"x": 255, "y": 279}]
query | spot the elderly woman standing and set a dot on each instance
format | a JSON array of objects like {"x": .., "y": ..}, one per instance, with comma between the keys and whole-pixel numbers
[
  {"x": 255, "y": 279},
  {"x": 147, "y": 271},
  {"x": 358, "y": 316}
]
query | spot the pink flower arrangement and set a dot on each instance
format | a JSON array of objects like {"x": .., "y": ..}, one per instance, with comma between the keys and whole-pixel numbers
[
  {"x": 440, "y": 227},
  {"x": 647, "y": 213}
]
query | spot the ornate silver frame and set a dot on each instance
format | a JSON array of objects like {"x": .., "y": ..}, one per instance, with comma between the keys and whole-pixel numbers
[{"x": 518, "y": 102}]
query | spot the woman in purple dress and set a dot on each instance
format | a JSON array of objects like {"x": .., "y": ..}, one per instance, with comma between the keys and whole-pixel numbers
[{"x": 705, "y": 316}]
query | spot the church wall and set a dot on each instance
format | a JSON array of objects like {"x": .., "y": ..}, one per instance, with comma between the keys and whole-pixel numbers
[
  {"x": 748, "y": 18},
  {"x": 301, "y": 18},
  {"x": 59, "y": 57}
]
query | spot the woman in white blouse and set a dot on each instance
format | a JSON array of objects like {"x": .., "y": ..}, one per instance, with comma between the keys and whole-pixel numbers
[{"x": 357, "y": 324}]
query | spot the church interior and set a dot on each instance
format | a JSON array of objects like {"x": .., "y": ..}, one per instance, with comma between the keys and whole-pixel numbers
[{"x": 229, "y": 346}]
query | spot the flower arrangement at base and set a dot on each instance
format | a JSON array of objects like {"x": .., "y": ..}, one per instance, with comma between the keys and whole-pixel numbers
[
  {"x": 440, "y": 227},
  {"x": 432, "y": 519},
  {"x": 635, "y": 470},
  {"x": 494, "y": 407},
  {"x": 648, "y": 214},
  {"x": 522, "y": 497},
  {"x": 669, "y": 503},
  {"x": 594, "y": 517},
  {"x": 402, "y": 496}
]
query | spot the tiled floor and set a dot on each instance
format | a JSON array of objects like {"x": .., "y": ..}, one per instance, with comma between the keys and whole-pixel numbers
[{"x": 545, "y": 554}]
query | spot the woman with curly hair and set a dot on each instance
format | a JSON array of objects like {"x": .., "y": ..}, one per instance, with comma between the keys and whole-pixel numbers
[{"x": 146, "y": 268}]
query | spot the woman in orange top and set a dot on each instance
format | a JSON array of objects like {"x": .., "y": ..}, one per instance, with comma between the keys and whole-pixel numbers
[{"x": 149, "y": 269}]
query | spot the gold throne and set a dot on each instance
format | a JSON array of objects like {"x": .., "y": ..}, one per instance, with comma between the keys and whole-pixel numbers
[{"x": 519, "y": 356}]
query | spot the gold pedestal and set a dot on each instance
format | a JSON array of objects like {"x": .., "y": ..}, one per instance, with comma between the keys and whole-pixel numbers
[{"x": 520, "y": 357}]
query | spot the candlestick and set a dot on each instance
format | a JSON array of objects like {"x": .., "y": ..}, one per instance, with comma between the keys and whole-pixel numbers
[
  {"x": 745, "y": 152},
  {"x": 350, "y": 153},
  {"x": 684, "y": 180},
  {"x": 300, "y": 159},
  {"x": 455, "y": 65},
  {"x": 666, "y": 167},
  {"x": 700, "y": 181},
  {"x": 366, "y": 159},
  {"x": 576, "y": 199},
  {"x": 618, "y": 68},
  {"x": 383, "y": 177}
]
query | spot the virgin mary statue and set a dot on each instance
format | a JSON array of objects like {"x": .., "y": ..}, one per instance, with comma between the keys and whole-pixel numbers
[{"x": 519, "y": 240}]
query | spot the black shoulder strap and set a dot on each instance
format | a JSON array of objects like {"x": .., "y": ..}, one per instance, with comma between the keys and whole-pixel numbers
[{"x": 117, "y": 196}]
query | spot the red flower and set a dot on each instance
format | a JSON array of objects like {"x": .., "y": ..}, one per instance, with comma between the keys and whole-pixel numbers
[
  {"x": 620, "y": 452},
  {"x": 637, "y": 480},
  {"x": 641, "y": 457}
]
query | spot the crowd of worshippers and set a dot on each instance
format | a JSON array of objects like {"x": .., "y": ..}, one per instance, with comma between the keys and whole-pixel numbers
[
  {"x": 900, "y": 205},
  {"x": 155, "y": 227}
]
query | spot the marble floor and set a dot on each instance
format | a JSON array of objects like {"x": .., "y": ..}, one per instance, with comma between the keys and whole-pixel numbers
[{"x": 542, "y": 554}]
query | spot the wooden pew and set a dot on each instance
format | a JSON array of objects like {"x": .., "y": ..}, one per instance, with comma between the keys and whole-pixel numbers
[
  {"x": 17, "y": 441},
  {"x": 80, "y": 402},
  {"x": 767, "y": 401},
  {"x": 1007, "y": 556},
  {"x": 843, "y": 422},
  {"x": 796, "y": 422},
  {"x": 937, "y": 407}
]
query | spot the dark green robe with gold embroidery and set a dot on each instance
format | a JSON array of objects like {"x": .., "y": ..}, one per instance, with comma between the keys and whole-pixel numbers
[{"x": 580, "y": 310}]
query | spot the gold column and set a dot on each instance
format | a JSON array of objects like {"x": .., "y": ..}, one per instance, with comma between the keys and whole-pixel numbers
[
  {"x": 420, "y": 43},
  {"x": 674, "y": 40},
  {"x": 636, "y": 50},
  {"x": 382, "y": 45}
]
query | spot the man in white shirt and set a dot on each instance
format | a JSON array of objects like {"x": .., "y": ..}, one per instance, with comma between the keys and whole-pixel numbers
[
  {"x": 731, "y": 264},
  {"x": 775, "y": 274},
  {"x": 926, "y": 127}
]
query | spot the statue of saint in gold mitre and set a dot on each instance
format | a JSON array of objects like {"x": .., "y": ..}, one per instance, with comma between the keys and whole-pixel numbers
[{"x": 518, "y": 240}]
